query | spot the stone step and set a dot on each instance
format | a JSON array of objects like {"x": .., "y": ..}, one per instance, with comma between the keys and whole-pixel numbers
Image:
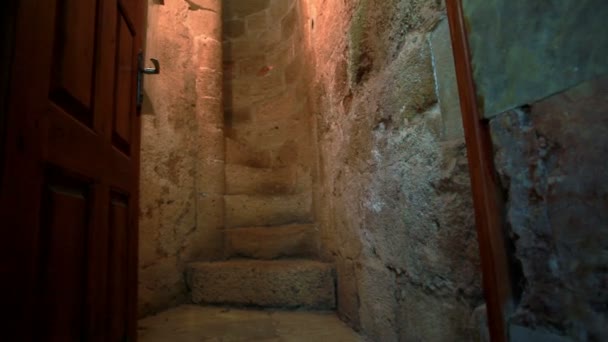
[
  {"x": 241, "y": 179},
  {"x": 240, "y": 154},
  {"x": 292, "y": 283},
  {"x": 259, "y": 210},
  {"x": 297, "y": 240},
  {"x": 246, "y": 180}
]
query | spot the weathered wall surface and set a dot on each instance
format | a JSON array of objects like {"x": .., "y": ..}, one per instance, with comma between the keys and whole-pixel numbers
[
  {"x": 551, "y": 157},
  {"x": 392, "y": 188},
  {"x": 519, "y": 56},
  {"x": 182, "y": 156},
  {"x": 266, "y": 112}
]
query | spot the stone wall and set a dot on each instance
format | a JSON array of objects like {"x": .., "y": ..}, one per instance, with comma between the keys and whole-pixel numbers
[
  {"x": 392, "y": 187},
  {"x": 551, "y": 157},
  {"x": 267, "y": 118},
  {"x": 182, "y": 172},
  {"x": 340, "y": 94}
]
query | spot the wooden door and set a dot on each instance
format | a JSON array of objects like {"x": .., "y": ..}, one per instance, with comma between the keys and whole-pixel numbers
[{"x": 69, "y": 190}]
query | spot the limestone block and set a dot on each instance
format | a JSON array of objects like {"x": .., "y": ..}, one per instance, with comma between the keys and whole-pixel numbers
[
  {"x": 449, "y": 312},
  {"x": 209, "y": 112},
  {"x": 237, "y": 93},
  {"x": 278, "y": 9},
  {"x": 251, "y": 66},
  {"x": 257, "y": 22},
  {"x": 276, "y": 283},
  {"x": 241, "y": 179},
  {"x": 230, "y": 71},
  {"x": 479, "y": 324},
  {"x": 559, "y": 205},
  {"x": 236, "y": 117},
  {"x": 267, "y": 85},
  {"x": 289, "y": 22},
  {"x": 294, "y": 69},
  {"x": 241, "y": 154},
  {"x": 208, "y": 5},
  {"x": 227, "y": 55},
  {"x": 203, "y": 244},
  {"x": 234, "y": 28},
  {"x": 522, "y": 333},
  {"x": 209, "y": 83},
  {"x": 445, "y": 77},
  {"x": 272, "y": 242},
  {"x": 269, "y": 135},
  {"x": 240, "y": 8},
  {"x": 348, "y": 298},
  {"x": 249, "y": 210},
  {"x": 210, "y": 176},
  {"x": 210, "y": 211},
  {"x": 243, "y": 47},
  {"x": 208, "y": 53},
  {"x": 211, "y": 143},
  {"x": 213, "y": 324},
  {"x": 269, "y": 39},
  {"x": 288, "y": 153},
  {"x": 206, "y": 241},
  {"x": 205, "y": 23},
  {"x": 160, "y": 285},
  {"x": 286, "y": 105},
  {"x": 281, "y": 54}
]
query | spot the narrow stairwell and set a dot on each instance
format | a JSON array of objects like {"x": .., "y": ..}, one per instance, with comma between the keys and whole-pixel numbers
[{"x": 271, "y": 245}]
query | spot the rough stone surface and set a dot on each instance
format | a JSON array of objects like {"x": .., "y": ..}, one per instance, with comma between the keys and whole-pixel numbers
[
  {"x": 392, "y": 192},
  {"x": 255, "y": 210},
  {"x": 211, "y": 324},
  {"x": 241, "y": 9},
  {"x": 272, "y": 243},
  {"x": 181, "y": 207},
  {"x": 266, "y": 108},
  {"x": 278, "y": 283},
  {"x": 242, "y": 179},
  {"x": 519, "y": 56},
  {"x": 345, "y": 93},
  {"x": 445, "y": 80},
  {"x": 551, "y": 157}
]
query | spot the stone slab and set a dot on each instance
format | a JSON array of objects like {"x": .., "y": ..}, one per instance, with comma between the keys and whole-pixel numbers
[
  {"x": 272, "y": 242},
  {"x": 242, "y": 179},
  {"x": 523, "y": 51},
  {"x": 278, "y": 283},
  {"x": 189, "y": 323},
  {"x": 255, "y": 210}
]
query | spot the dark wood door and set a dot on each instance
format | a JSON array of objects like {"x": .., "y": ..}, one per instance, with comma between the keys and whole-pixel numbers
[{"x": 69, "y": 189}]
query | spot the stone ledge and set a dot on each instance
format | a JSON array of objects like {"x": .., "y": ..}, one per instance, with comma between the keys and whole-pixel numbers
[
  {"x": 248, "y": 210},
  {"x": 268, "y": 181},
  {"x": 279, "y": 284},
  {"x": 272, "y": 242}
]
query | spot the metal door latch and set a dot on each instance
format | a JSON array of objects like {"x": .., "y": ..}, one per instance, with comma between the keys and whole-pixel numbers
[{"x": 141, "y": 71}]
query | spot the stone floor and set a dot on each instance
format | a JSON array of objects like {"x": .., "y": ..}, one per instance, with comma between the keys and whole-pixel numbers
[{"x": 195, "y": 323}]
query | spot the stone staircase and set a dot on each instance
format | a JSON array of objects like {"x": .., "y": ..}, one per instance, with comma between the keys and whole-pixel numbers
[{"x": 271, "y": 245}]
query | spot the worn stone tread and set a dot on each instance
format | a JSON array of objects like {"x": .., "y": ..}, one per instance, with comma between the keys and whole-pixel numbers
[
  {"x": 261, "y": 210},
  {"x": 287, "y": 283},
  {"x": 295, "y": 240},
  {"x": 242, "y": 179}
]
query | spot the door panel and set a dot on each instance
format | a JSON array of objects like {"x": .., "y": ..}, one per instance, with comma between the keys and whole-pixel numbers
[
  {"x": 62, "y": 131},
  {"x": 118, "y": 270},
  {"x": 66, "y": 203},
  {"x": 125, "y": 65},
  {"x": 73, "y": 60},
  {"x": 70, "y": 183}
]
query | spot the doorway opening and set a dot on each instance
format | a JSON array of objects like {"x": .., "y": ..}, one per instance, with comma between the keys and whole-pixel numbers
[{"x": 290, "y": 166}]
